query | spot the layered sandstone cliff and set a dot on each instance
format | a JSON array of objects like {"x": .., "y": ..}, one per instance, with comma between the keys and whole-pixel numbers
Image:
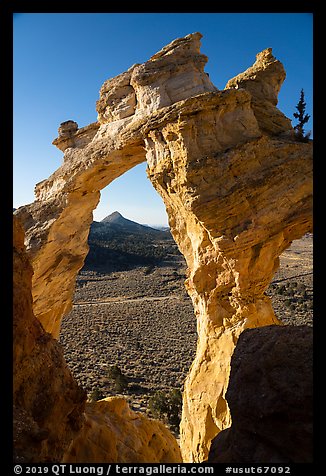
[{"x": 237, "y": 188}]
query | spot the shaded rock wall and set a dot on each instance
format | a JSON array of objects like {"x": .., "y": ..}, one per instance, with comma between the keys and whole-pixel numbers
[
  {"x": 237, "y": 189},
  {"x": 48, "y": 403},
  {"x": 270, "y": 398}
]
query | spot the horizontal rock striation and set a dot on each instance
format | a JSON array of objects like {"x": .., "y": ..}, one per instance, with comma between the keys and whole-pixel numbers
[
  {"x": 263, "y": 80},
  {"x": 236, "y": 184}
]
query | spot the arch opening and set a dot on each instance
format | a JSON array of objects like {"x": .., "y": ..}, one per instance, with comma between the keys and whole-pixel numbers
[
  {"x": 130, "y": 308},
  {"x": 291, "y": 289}
]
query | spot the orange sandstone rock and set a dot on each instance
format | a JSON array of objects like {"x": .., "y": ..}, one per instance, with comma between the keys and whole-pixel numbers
[
  {"x": 113, "y": 433},
  {"x": 237, "y": 188},
  {"x": 48, "y": 403}
]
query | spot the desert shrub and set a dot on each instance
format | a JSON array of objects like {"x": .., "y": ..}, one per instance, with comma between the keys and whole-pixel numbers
[
  {"x": 138, "y": 345},
  {"x": 96, "y": 395},
  {"x": 158, "y": 404},
  {"x": 282, "y": 289},
  {"x": 301, "y": 288},
  {"x": 175, "y": 408},
  {"x": 290, "y": 291},
  {"x": 148, "y": 270},
  {"x": 305, "y": 295},
  {"x": 120, "y": 381},
  {"x": 167, "y": 407},
  {"x": 114, "y": 371}
]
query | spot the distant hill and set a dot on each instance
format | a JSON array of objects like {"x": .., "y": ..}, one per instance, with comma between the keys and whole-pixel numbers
[
  {"x": 116, "y": 243},
  {"x": 118, "y": 221},
  {"x": 115, "y": 225}
]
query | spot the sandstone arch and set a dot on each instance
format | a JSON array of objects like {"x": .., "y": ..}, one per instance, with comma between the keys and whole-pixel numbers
[{"x": 236, "y": 184}]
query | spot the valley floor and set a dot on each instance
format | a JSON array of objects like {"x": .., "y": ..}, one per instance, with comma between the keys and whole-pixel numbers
[{"x": 142, "y": 320}]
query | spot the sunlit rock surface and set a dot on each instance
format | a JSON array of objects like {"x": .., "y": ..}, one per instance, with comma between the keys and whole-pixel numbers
[
  {"x": 237, "y": 188},
  {"x": 113, "y": 433}
]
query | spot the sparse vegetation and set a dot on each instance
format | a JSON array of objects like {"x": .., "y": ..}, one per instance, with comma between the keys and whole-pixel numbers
[
  {"x": 127, "y": 253},
  {"x": 123, "y": 245},
  {"x": 96, "y": 395},
  {"x": 139, "y": 326},
  {"x": 295, "y": 295},
  {"x": 167, "y": 406},
  {"x": 116, "y": 376},
  {"x": 302, "y": 118}
]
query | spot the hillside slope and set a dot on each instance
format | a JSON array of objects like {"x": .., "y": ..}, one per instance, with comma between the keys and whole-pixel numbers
[{"x": 118, "y": 244}]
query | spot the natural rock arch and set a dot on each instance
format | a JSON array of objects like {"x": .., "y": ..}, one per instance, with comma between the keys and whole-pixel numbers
[{"x": 237, "y": 188}]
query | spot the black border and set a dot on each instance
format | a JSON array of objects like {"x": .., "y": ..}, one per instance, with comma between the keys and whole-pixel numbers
[{"x": 7, "y": 9}]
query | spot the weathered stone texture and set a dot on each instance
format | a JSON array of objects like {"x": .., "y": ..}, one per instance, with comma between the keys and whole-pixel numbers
[
  {"x": 264, "y": 80},
  {"x": 232, "y": 219},
  {"x": 237, "y": 188},
  {"x": 113, "y": 433},
  {"x": 270, "y": 398},
  {"x": 48, "y": 403}
]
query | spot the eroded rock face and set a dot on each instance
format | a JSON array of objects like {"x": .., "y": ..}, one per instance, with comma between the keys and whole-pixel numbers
[
  {"x": 71, "y": 136},
  {"x": 113, "y": 433},
  {"x": 264, "y": 80},
  {"x": 233, "y": 213},
  {"x": 237, "y": 188},
  {"x": 171, "y": 75},
  {"x": 48, "y": 403},
  {"x": 270, "y": 397}
]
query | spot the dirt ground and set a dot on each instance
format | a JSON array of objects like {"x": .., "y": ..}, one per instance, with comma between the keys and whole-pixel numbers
[
  {"x": 142, "y": 320},
  {"x": 291, "y": 290}
]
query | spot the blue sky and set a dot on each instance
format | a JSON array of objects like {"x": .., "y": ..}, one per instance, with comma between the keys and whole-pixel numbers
[{"x": 62, "y": 60}]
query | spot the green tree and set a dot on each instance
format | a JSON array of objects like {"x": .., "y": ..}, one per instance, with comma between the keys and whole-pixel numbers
[
  {"x": 167, "y": 407},
  {"x": 302, "y": 118}
]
